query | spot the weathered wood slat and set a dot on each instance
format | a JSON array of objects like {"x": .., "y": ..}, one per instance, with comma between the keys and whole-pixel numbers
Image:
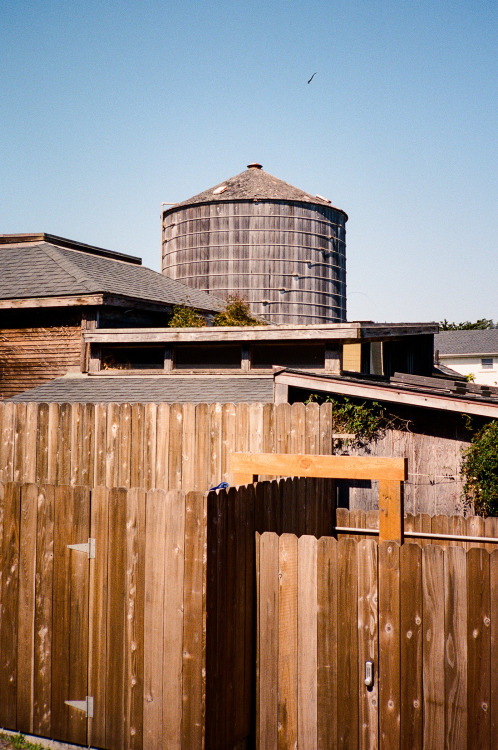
[
  {"x": 411, "y": 646},
  {"x": 347, "y": 644},
  {"x": 389, "y": 646},
  {"x": 455, "y": 638},
  {"x": 433, "y": 650},
  {"x": 368, "y": 643}
]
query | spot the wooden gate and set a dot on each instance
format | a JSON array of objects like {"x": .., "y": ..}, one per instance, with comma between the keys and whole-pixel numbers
[{"x": 425, "y": 617}]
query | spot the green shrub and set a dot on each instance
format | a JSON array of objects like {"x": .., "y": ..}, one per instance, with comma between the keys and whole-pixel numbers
[
  {"x": 236, "y": 313},
  {"x": 480, "y": 471},
  {"x": 186, "y": 317}
]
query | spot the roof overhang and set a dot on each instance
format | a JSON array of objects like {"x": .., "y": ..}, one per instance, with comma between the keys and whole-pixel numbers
[
  {"x": 339, "y": 332},
  {"x": 82, "y": 300},
  {"x": 381, "y": 392}
]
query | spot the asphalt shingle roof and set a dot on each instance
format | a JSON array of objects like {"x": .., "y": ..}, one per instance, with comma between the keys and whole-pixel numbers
[
  {"x": 467, "y": 342},
  {"x": 45, "y": 270},
  {"x": 146, "y": 389},
  {"x": 254, "y": 184}
]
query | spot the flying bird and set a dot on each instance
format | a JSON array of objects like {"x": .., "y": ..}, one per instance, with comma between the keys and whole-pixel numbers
[{"x": 314, "y": 74}]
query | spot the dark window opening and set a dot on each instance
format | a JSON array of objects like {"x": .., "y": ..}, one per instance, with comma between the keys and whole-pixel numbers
[
  {"x": 201, "y": 357},
  {"x": 136, "y": 358},
  {"x": 298, "y": 355}
]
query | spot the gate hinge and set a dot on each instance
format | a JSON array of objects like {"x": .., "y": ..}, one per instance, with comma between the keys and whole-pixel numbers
[
  {"x": 88, "y": 547},
  {"x": 86, "y": 706}
]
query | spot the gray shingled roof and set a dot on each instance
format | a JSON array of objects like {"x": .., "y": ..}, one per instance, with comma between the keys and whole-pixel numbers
[
  {"x": 467, "y": 342},
  {"x": 166, "y": 389},
  {"x": 251, "y": 184},
  {"x": 46, "y": 270}
]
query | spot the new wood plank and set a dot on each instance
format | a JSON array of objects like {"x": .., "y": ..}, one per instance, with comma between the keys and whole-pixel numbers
[
  {"x": 433, "y": 645},
  {"x": 268, "y": 606},
  {"x": 287, "y": 642},
  {"x": 411, "y": 646},
  {"x": 327, "y": 594},
  {"x": 173, "y": 617},
  {"x": 154, "y": 619},
  {"x": 478, "y": 649},
  {"x": 99, "y": 615},
  {"x": 389, "y": 646},
  {"x": 134, "y": 617},
  {"x": 368, "y": 639},
  {"x": 391, "y": 512},
  {"x": 26, "y": 611},
  {"x": 455, "y": 637},
  {"x": 193, "y": 636},
  {"x": 9, "y": 567},
  {"x": 347, "y": 644},
  {"x": 229, "y": 429},
  {"x": 340, "y": 467},
  {"x": 42, "y": 693}
]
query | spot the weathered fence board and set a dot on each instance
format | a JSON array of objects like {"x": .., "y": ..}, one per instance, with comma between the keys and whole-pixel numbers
[{"x": 187, "y": 446}]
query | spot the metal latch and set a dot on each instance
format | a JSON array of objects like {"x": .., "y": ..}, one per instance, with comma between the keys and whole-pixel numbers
[
  {"x": 86, "y": 706},
  {"x": 88, "y": 547},
  {"x": 369, "y": 673}
]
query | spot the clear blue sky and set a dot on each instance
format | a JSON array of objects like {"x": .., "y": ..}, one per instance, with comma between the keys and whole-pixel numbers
[{"x": 109, "y": 108}]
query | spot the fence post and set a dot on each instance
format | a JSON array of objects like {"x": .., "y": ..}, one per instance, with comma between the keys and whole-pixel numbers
[{"x": 391, "y": 515}]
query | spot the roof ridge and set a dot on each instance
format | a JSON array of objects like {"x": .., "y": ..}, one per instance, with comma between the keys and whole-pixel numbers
[{"x": 57, "y": 255}]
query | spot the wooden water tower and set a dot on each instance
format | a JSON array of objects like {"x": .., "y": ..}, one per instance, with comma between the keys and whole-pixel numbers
[{"x": 259, "y": 237}]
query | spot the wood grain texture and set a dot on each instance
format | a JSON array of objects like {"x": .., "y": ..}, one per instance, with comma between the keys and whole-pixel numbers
[
  {"x": 307, "y": 642},
  {"x": 327, "y": 595},
  {"x": 268, "y": 642},
  {"x": 347, "y": 644},
  {"x": 389, "y": 646},
  {"x": 455, "y": 647},
  {"x": 10, "y": 550},
  {"x": 478, "y": 648},
  {"x": 433, "y": 648},
  {"x": 411, "y": 646},
  {"x": 287, "y": 642},
  {"x": 368, "y": 644}
]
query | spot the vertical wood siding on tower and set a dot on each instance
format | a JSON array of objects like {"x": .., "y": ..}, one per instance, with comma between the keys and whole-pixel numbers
[{"x": 255, "y": 249}]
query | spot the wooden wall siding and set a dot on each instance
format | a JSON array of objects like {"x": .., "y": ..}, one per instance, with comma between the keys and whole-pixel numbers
[
  {"x": 186, "y": 446},
  {"x": 258, "y": 249},
  {"x": 426, "y": 618},
  {"x": 31, "y": 356}
]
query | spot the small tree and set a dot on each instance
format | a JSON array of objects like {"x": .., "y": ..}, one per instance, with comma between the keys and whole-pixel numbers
[
  {"x": 236, "y": 313},
  {"x": 467, "y": 325},
  {"x": 186, "y": 317},
  {"x": 480, "y": 471}
]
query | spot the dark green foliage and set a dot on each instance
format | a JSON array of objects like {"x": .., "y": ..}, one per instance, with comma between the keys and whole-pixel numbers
[
  {"x": 236, "y": 313},
  {"x": 480, "y": 324},
  {"x": 480, "y": 471},
  {"x": 186, "y": 317}
]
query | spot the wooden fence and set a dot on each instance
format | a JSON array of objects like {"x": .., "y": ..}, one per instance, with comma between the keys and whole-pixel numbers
[
  {"x": 160, "y": 627},
  {"x": 425, "y": 618},
  {"x": 187, "y": 446}
]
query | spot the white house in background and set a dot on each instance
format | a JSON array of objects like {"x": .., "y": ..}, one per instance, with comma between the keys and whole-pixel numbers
[{"x": 469, "y": 352}]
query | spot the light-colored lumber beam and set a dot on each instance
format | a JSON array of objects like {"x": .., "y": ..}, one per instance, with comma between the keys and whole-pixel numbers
[
  {"x": 247, "y": 465},
  {"x": 391, "y": 516}
]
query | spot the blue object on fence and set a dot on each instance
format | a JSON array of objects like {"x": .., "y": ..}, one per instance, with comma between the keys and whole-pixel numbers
[{"x": 220, "y": 486}]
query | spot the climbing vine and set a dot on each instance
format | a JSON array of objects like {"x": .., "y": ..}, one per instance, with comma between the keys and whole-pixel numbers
[
  {"x": 361, "y": 423},
  {"x": 186, "y": 317}
]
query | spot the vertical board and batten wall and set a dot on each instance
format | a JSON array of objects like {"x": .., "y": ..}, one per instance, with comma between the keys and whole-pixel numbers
[{"x": 187, "y": 446}]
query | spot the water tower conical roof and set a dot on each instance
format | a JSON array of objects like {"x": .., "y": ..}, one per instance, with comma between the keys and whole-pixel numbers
[{"x": 254, "y": 184}]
